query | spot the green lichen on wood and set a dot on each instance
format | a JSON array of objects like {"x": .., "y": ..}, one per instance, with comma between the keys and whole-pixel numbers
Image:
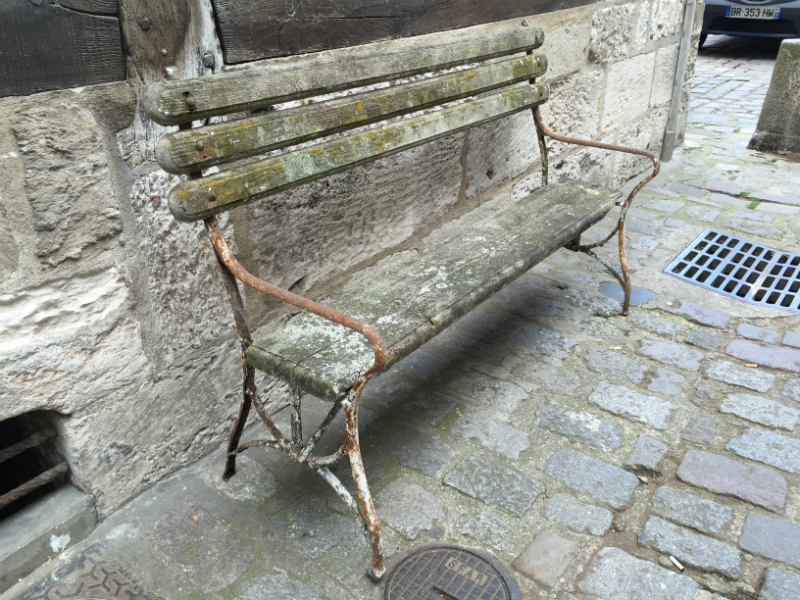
[
  {"x": 174, "y": 102},
  {"x": 419, "y": 297},
  {"x": 198, "y": 199},
  {"x": 186, "y": 151}
]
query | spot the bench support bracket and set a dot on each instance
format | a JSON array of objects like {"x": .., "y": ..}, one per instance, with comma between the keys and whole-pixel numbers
[{"x": 623, "y": 278}]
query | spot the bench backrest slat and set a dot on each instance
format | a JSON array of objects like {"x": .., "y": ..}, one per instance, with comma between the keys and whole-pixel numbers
[
  {"x": 197, "y": 199},
  {"x": 187, "y": 151},
  {"x": 181, "y": 101}
]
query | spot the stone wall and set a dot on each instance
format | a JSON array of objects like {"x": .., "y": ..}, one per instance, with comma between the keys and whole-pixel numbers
[{"x": 112, "y": 314}]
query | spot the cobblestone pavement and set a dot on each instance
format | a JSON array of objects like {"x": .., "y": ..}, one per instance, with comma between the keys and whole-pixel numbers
[{"x": 580, "y": 447}]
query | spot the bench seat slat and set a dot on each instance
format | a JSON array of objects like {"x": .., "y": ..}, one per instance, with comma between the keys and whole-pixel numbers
[
  {"x": 181, "y": 101},
  {"x": 201, "y": 198},
  {"x": 414, "y": 300},
  {"x": 187, "y": 151}
]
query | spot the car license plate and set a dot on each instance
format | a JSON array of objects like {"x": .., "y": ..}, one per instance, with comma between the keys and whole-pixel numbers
[{"x": 752, "y": 12}]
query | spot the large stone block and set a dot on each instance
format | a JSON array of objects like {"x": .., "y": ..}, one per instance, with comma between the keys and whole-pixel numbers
[
  {"x": 66, "y": 344},
  {"x": 76, "y": 214},
  {"x": 612, "y": 30},
  {"x": 664, "y": 76},
  {"x": 628, "y": 90},
  {"x": 119, "y": 446},
  {"x": 496, "y": 152},
  {"x": 574, "y": 107},
  {"x": 658, "y": 19},
  {"x": 187, "y": 306},
  {"x": 565, "y": 44},
  {"x": 779, "y": 124}
]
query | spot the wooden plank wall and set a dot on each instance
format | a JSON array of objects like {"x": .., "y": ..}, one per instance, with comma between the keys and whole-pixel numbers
[
  {"x": 55, "y": 44},
  {"x": 255, "y": 29}
]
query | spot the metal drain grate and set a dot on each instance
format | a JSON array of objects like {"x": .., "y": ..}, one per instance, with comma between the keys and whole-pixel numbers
[
  {"x": 442, "y": 570},
  {"x": 744, "y": 270}
]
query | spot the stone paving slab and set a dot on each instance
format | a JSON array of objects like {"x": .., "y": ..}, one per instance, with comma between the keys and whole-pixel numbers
[
  {"x": 700, "y": 552},
  {"x": 771, "y": 538},
  {"x": 616, "y": 575},
  {"x": 780, "y": 585},
  {"x": 578, "y": 516},
  {"x": 579, "y": 426},
  {"x": 723, "y": 475},
  {"x": 633, "y": 405},
  {"x": 761, "y": 410},
  {"x": 687, "y": 509},
  {"x": 777, "y": 358},
  {"x": 495, "y": 485},
  {"x": 491, "y": 433},
  {"x": 601, "y": 481},
  {"x": 733, "y": 374},
  {"x": 769, "y": 448},
  {"x": 671, "y": 353}
]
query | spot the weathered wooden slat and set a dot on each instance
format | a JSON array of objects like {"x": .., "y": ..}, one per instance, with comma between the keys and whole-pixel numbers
[
  {"x": 187, "y": 151},
  {"x": 416, "y": 298},
  {"x": 100, "y": 7},
  {"x": 256, "y": 29},
  {"x": 174, "y": 102},
  {"x": 197, "y": 199},
  {"x": 50, "y": 47}
]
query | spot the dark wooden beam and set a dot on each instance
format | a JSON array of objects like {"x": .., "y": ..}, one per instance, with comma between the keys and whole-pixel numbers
[
  {"x": 46, "y": 46},
  {"x": 256, "y": 29}
]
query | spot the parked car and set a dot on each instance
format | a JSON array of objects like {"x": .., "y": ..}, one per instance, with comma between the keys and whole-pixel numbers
[{"x": 761, "y": 18}]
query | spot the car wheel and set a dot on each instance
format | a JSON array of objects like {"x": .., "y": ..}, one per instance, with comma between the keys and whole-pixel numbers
[{"x": 703, "y": 37}]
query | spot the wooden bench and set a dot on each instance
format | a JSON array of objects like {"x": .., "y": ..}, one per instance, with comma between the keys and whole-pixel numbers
[{"x": 333, "y": 351}]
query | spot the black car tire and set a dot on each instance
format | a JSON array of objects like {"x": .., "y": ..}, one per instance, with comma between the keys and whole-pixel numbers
[{"x": 703, "y": 37}]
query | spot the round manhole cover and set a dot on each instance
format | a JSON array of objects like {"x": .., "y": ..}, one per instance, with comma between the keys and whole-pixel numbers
[{"x": 445, "y": 571}]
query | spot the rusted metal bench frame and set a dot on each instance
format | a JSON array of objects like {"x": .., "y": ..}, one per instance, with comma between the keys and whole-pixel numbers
[{"x": 301, "y": 449}]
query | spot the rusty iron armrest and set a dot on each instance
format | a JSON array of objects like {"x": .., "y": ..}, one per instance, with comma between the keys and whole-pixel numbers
[
  {"x": 368, "y": 331},
  {"x": 624, "y": 279}
]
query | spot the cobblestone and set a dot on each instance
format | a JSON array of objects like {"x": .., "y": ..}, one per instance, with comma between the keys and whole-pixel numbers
[
  {"x": 671, "y": 353},
  {"x": 556, "y": 380},
  {"x": 758, "y": 485},
  {"x": 280, "y": 587},
  {"x": 705, "y": 393},
  {"x": 487, "y": 529},
  {"x": 656, "y": 324},
  {"x": 409, "y": 508},
  {"x": 546, "y": 558},
  {"x": 493, "y": 484},
  {"x": 633, "y": 405},
  {"x": 704, "y": 339},
  {"x": 728, "y": 372},
  {"x": 666, "y": 382},
  {"x": 777, "y": 358},
  {"x": 779, "y": 585},
  {"x": 752, "y": 332},
  {"x": 601, "y": 481},
  {"x": 760, "y": 410},
  {"x": 701, "y": 429},
  {"x": 314, "y": 529},
  {"x": 578, "y": 516},
  {"x": 646, "y": 228},
  {"x": 493, "y": 434},
  {"x": 616, "y": 575},
  {"x": 769, "y": 448},
  {"x": 579, "y": 426},
  {"x": 753, "y": 228},
  {"x": 687, "y": 509},
  {"x": 707, "y": 215},
  {"x": 500, "y": 394},
  {"x": 697, "y": 313},
  {"x": 698, "y": 551},
  {"x": 771, "y": 538},
  {"x": 791, "y": 338},
  {"x": 666, "y": 206},
  {"x": 647, "y": 453},
  {"x": 543, "y": 340},
  {"x": 414, "y": 449},
  {"x": 608, "y": 362},
  {"x": 792, "y": 389}
]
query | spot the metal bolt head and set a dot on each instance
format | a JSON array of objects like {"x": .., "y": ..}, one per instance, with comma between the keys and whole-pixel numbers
[
  {"x": 190, "y": 102},
  {"x": 208, "y": 60},
  {"x": 144, "y": 23},
  {"x": 525, "y": 23},
  {"x": 199, "y": 145},
  {"x": 212, "y": 197}
]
